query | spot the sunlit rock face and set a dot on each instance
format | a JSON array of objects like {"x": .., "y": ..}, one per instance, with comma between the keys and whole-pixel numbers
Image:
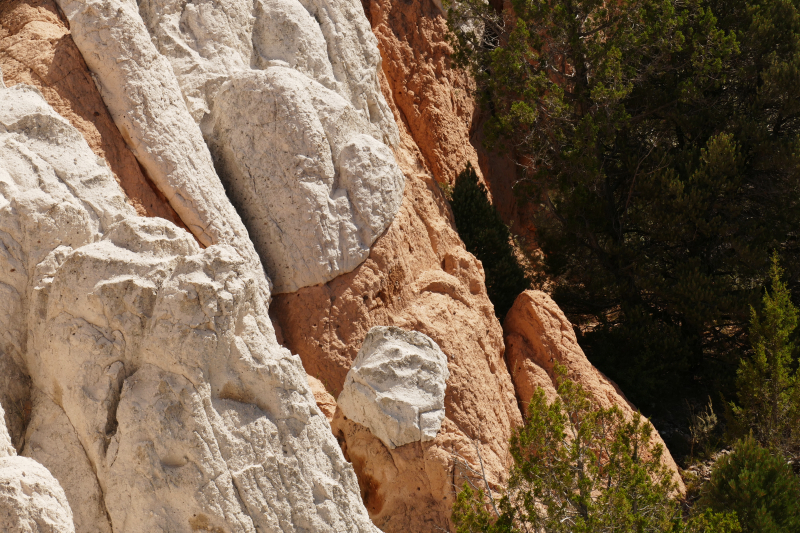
[
  {"x": 176, "y": 73},
  {"x": 151, "y": 359}
]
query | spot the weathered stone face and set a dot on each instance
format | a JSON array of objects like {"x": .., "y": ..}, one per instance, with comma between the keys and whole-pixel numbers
[
  {"x": 396, "y": 386},
  {"x": 172, "y": 69},
  {"x": 158, "y": 355},
  {"x": 313, "y": 187}
]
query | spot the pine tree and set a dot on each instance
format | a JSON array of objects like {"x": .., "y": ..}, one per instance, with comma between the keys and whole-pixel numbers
[
  {"x": 577, "y": 469},
  {"x": 758, "y": 486},
  {"x": 768, "y": 386},
  {"x": 661, "y": 144}
]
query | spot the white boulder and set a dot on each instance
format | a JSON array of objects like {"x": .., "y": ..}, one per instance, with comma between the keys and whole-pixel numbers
[
  {"x": 312, "y": 186},
  {"x": 31, "y": 500},
  {"x": 396, "y": 386}
]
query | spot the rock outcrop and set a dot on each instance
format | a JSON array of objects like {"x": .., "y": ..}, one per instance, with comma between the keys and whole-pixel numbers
[
  {"x": 171, "y": 66},
  {"x": 537, "y": 336},
  {"x": 434, "y": 100},
  {"x": 158, "y": 354},
  {"x": 31, "y": 500},
  {"x": 396, "y": 386},
  {"x": 418, "y": 277},
  {"x": 314, "y": 187}
]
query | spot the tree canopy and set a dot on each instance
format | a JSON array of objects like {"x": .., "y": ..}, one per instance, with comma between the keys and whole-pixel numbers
[{"x": 660, "y": 141}]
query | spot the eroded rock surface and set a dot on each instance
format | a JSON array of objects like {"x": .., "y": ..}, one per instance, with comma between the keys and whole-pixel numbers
[
  {"x": 31, "y": 500},
  {"x": 396, "y": 386},
  {"x": 171, "y": 68},
  {"x": 434, "y": 99},
  {"x": 158, "y": 354},
  {"x": 418, "y": 277},
  {"x": 537, "y": 336},
  {"x": 297, "y": 159}
]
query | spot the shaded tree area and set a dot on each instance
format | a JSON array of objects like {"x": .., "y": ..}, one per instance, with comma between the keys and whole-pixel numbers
[
  {"x": 489, "y": 239},
  {"x": 661, "y": 144}
]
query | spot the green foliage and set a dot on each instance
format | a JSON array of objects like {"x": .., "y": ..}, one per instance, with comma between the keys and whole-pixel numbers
[
  {"x": 701, "y": 429},
  {"x": 661, "y": 140},
  {"x": 711, "y": 522},
  {"x": 768, "y": 388},
  {"x": 578, "y": 469},
  {"x": 758, "y": 486},
  {"x": 487, "y": 238}
]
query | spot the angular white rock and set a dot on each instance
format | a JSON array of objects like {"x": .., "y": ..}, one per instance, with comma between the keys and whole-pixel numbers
[
  {"x": 161, "y": 354},
  {"x": 166, "y": 66},
  {"x": 31, "y": 500},
  {"x": 396, "y": 386}
]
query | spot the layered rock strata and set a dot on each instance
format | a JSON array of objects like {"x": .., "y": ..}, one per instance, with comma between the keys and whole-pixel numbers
[
  {"x": 538, "y": 336},
  {"x": 396, "y": 385},
  {"x": 324, "y": 186},
  {"x": 152, "y": 361}
]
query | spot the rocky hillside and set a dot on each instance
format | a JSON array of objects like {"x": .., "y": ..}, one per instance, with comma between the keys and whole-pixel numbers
[{"x": 205, "y": 208}]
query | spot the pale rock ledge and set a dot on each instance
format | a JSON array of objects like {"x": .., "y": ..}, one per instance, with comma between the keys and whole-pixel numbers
[{"x": 396, "y": 386}]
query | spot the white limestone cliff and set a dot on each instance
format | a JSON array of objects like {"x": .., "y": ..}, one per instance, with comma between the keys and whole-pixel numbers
[
  {"x": 153, "y": 361},
  {"x": 396, "y": 386},
  {"x": 174, "y": 68}
]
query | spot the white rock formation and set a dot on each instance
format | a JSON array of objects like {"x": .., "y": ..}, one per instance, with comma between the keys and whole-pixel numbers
[
  {"x": 49, "y": 435},
  {"x": 312, "y": 186},
  {"x": 396, "y": 386},
  {"x": 158, "y": 354},
  {"x": 202, "y": 65},
  {"x": 31, "y": 500},
  {"x": 143, "y": 96}
]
